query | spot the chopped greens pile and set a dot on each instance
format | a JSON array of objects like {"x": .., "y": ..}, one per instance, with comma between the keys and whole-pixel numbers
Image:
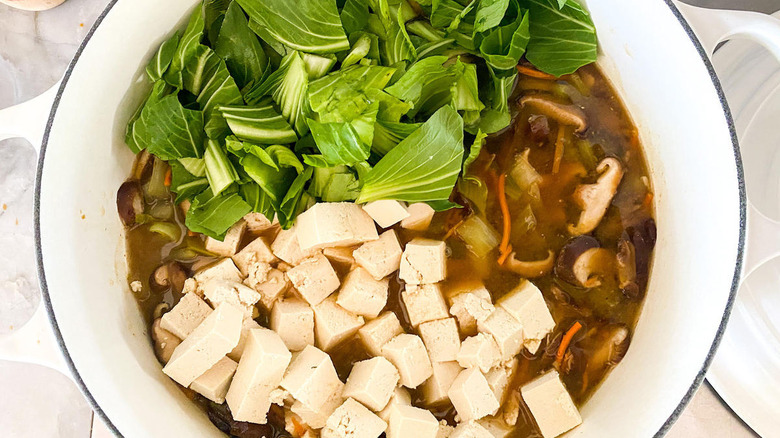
[{"x": 270, "y": 105}]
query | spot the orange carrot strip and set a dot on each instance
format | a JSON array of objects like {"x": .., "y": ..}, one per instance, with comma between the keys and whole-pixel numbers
[
  {"x": 558, "y": 157},
  {"x": 502, "y": 258},
  {"x": 565, "y": 341},
  {"x": 534, "y": 73},
  {"x": 504, "y": 248},
  {"x": 168, "y": 178}
]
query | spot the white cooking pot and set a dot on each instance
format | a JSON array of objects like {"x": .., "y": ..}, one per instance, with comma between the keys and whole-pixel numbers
[{"x": 649, "y": 52}]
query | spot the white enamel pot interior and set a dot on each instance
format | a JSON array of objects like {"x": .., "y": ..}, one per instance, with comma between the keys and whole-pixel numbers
[{"x": 648, "y": 52}]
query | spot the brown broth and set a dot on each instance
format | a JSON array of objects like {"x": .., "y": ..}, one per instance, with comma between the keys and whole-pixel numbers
[{"x": 600, "y": 310}]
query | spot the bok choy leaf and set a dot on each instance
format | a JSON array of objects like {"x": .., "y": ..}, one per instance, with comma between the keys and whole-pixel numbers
[
  {"x": 240, "y": 48},
  {"x": 214, "y": 215},
  {"x": 260, "y": 124},
  {"x": 169, "y": 131}
]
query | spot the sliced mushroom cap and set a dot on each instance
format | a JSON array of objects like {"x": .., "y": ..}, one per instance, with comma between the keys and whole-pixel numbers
[
  {"x": 583, "y": 262},
  {"x": 170, "y": 275},
  {"x": 129, "y": 202},
  {"x": 530, "y": 269},
  {"x": 164, "y": 342},
  {"x": 594, "y": 199},
  {"x": 610, "y": 347},
  {"x": 626, "y": 268},
  {"x": 564, "y": 114}
]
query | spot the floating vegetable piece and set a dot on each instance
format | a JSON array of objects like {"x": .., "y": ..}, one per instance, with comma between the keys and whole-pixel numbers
[{"x": 594, "y": 199}]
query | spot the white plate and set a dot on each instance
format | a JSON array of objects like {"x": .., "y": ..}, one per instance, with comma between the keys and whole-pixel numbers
[{"x": 746, "y": 369}]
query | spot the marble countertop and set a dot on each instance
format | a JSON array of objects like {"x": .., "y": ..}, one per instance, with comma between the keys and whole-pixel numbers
[{"x": 35, "y": 49}]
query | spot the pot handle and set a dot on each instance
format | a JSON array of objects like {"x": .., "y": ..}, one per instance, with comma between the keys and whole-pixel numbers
[
  {"x": 28, "y": 119},
  {"x": 713, "y": 27}
]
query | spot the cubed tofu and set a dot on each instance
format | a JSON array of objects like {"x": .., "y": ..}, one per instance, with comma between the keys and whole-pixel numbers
[
  {"x": 480, "y": 351},
  {"x": 185, "y": 316},
  {"x": 550, "y": 404},
  {"x": 400, "y": 397},
  {"x": 470, "y": 306},
  {"x": 311, "y": 378},
  {"x": 372, "y": 382},
  {"x": 224, "y": 270},
  {"x": 293, "y": 320},
  {"x": 375, "y": 334},
  {"x": 286, "y": 247},
  {"x": 407, "y": 352},
  {"x": 471, "y": 395},
  {"x": 408, "y": 421},
  {"x": 496, "y": 426},
  {"x": 434, "y": 390},
  {"x": 470, "y": 429},
  {"x": 257, "y": 251},
  {"x": 386, "y": 213},
  {"x": 353, "y": 420},
  {"x": 316, "y": 419},
  {"x": 380, "y": 257},
  {"x": 420, "y": 217},
  {"x": 424, "y": 261},
  {"x": 527, "y": 305},
  {"x": 273, "y": 288},
  {"x": 246, "y": 326},
  {"x": 236, "y": 294},
  {"x": 361, "y": 294},
  {"x": 441, "y": 338},
  {"x": 259, "y": 372},
  {"x": 215, "y": 337},
  {"x": 340, "y": 256},
  {"x": 506, "y": 330},
  {"x": 334, "y": 224},
  {"x": 499, "y": 377},
  {"x": 314, "y": 278},
  {"x": 229, "y": 245},
  {"x": 256, "y": 273},
  {"x": 214, "y": 383},
  {"x": 424, "y": 303},
  {"x": 445, "y": 430},
  {"x": 333, "y": 324},
  {"x": 258, "y": 223}
]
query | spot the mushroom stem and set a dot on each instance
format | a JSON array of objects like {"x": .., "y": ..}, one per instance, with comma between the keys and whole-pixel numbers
[
  {"x": 565, "y": 114},
  {"x": 530, "y": 269}
]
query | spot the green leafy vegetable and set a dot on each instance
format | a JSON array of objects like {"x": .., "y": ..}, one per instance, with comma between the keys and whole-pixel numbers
[
  {"x": 489, "y": 14},
  {"x": 169, "y": 131},
  {"x": 388, "y": 134},
  {"x": 261, "y": 124},
  {"x": 291, "y": 95},
  {"x": 338, "y": 142},
  {"x": 503, "y": 46},
  {"x": 214, "y": 215},
  {"x": 240, "y": 48},
  {"x": 219, "y": 170},
  {"x": 163, "y": 58},
  {"x": 187, "y": 48},
  {"x": 354, "y": 15},
  {"x": 253, "y": 195}
]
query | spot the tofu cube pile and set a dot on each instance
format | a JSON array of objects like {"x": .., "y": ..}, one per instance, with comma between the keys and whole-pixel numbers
[{"x": 325, "y": 286}]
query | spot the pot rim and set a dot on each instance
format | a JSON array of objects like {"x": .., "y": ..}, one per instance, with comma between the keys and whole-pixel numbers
[{"x": 669, "y": 421}]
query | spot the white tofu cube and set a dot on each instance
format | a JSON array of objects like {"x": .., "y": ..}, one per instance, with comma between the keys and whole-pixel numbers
[
  {"x": 506, "y": 330},
  {"x": 185, "y": 316},
  {"x": 499, "y": 377},
  {"x": 372, "y": 382},
  {"x": 206, "y": 345},
  {"x": 470, "y": 306},
  {"x": 471, "y": 395},
  {"x": 434, "y": 390},
  {"x": 257, "y": 251},
  {"x": 424, "y": 261},
  {"x": 470, "y": 429},
  {"x": 362, "y": 294},
  {"x": 386, "y": 213},
  {"x": 353, "y": 420},
  {"x": 333, "y": 324},
  {"x": 293, "y": 320},
  {"x": 551, "y": 405},
  {"x": 246, "y": 326},
  {"x": 380, "y": 257},
  {"x": 316, "y": 419},
  {"x": 273, "y": 288},
  {"x": 441, "y": 338},
  {"x": 258, "y": 223},
  {"x": 314, "y": 279},
  {"x": 259, "y": 372},
  {"x": 340, "y": 256},
  {"x": 408, "y": 421},
  {"x": 445, "y": 430},
  {"x": 527, "y": 305},
  {"x": 236, "y": 294},
  {"x": 407, "y": 352},
  {"x": 496, "y": 426},
  {"x": 334, "y": 224},
  {"x": 214, "y": 383},
  {"x": 479, "y": 351},
  {"x": 424, "y": 303},
  {"x": 286, "y": 247},
  {"x": 375, "y": 334},
  {"x": 311, "y": 378},
  {"x": 400, "y": 397},
  {"x": 256, "y": 273},
  {"x": 224, "y": 270},
  {"x": 229, "y": 245},
  {"x": 420, "y": 217}
]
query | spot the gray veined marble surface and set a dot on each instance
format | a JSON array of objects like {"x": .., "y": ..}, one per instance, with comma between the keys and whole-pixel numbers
[{"x": 35, "y": 49}]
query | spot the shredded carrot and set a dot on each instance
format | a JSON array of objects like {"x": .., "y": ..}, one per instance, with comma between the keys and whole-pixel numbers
[
  {"x": 504, "y": 248},
  {"x": 298, "y": 427},
  {"x": 168, "y": 178},
  {"x": 452, "y": 229},
  {"x": 648, "y": 201},
  {"x": 558, "y": 157},
  {"x": 534, "y": 73},
  {"x": 502, "y": 258},
  {"x": 191, "y": 233},
  {"x": 565, "y": 341}
]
